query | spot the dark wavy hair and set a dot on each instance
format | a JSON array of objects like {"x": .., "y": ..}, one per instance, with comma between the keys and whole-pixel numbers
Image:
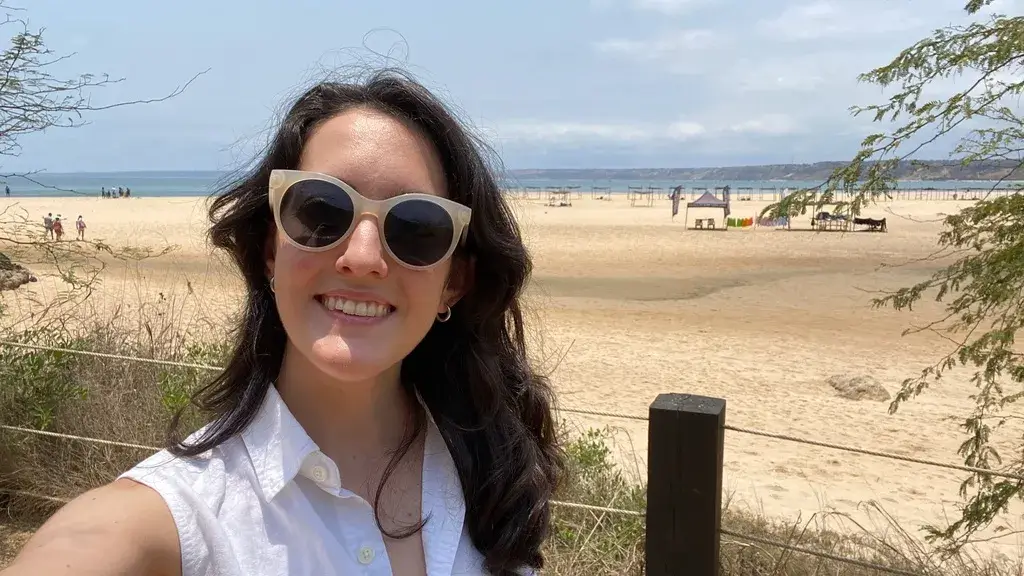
[{"x": 493, "y": 410}]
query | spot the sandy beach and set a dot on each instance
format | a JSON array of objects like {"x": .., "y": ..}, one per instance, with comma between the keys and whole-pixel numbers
[{"x": 627, "y": 303}]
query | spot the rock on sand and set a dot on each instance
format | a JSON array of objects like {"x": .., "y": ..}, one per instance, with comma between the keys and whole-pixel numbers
[
  {"x": 13, "y": 275},
  {"x": 858, "y": 388}
]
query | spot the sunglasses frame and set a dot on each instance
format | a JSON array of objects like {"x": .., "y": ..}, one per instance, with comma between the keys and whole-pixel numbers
[{"x": 281, "y": 182}]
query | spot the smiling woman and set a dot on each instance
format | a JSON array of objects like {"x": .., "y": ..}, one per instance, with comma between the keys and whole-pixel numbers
[{"x": 378, "y": 414}]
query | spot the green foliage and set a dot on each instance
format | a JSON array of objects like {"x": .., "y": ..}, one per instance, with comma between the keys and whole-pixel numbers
[
  {"x": 39, "y": 382},
  {"x": 590, "y": 454},
  {"x": 982, "y": 247},
  {"x": 591, "y": 469},
  {"x": 582, "y": 538},
  {"x": 178, "y": 384}
]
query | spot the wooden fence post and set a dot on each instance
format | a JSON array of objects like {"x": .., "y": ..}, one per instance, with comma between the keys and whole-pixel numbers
[{"x": 686, "y": 441}]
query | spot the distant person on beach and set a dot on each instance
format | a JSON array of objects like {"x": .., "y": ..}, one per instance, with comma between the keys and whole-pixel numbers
[
  {"x": 80, "y": 226},
  {"x": 48, "y": 225},
  {"x": 57, "y": 228},
  {"x": 7, "y": 190},
  {"x": 378, "y": 413}
]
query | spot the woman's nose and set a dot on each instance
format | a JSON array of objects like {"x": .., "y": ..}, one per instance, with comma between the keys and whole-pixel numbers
[{"x": 363, "y": 253}]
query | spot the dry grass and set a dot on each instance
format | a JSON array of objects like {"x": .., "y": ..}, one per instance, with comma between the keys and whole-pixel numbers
[
  {"x": 12, "y": 538},
  {"x": 132, "y": 402}
]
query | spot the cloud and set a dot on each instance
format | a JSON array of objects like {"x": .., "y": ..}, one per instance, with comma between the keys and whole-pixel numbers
[
  {"x": 779, "y": 75},
  {"x": 535, "y": 131},
  {"x": 668, "y": 45},
  {"x": 670, "y": 7},
  {"x": 685, "y": 130},
  {"x": 825, "y": 72},
  {"x": 765, "y": 79},
  {"x": 837, "y": 19},
  {"x": 768, "y": 124},
  {"x": 667, "y": 7},
  {"x": 680, "y": 51}
]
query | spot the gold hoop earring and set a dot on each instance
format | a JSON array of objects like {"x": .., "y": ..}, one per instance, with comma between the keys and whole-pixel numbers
[
  {"x": 272, "y": 285},
  {"x": 446, "y": 315}
]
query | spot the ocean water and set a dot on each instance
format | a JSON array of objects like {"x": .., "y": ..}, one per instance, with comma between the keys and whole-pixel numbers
[
  {"x": 621, "y": 186},
  {"x": 197, "y": 183},
  {"x": 140, "y": 183}
]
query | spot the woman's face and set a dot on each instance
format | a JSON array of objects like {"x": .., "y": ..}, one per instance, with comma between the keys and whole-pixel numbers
[{"x": 380, "y": 157}]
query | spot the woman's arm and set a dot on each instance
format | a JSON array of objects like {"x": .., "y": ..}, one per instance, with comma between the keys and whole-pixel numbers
[{"x": 121, "y": 529}]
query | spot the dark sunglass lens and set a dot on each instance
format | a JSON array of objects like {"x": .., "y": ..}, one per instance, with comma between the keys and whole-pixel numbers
[
  {"x": 315, "y": 213},
  {"x": 418, "y": 232}
]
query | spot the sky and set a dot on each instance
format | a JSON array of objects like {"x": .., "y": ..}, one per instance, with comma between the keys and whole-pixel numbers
[{"x": 550, "y": 84}]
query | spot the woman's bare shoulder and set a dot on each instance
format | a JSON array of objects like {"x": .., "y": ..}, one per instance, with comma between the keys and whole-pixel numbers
[{"x": 118, "y": 529}]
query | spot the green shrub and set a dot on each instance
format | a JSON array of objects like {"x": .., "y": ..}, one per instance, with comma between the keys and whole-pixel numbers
[{"x": 36, "y": 384}]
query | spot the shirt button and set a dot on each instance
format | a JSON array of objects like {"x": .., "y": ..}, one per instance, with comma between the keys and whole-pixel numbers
[
  {"x": 319, "y": 474},
  {"x": 366, "y": 555}
]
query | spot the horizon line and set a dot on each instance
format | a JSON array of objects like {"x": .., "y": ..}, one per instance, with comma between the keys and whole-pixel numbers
[{"x": 533, "y": 169}]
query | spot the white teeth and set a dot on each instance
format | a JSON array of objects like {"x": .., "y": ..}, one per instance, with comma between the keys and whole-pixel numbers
[
  {"x": 348, "y": 307},
  {"x": 355, "y": 308}
]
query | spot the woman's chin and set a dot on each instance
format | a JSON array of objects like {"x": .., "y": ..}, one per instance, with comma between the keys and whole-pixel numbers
[{"x": 348, "y": 361}]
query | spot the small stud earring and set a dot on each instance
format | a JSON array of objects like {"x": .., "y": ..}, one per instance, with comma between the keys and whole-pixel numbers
[{"x": 446, "y": 315}]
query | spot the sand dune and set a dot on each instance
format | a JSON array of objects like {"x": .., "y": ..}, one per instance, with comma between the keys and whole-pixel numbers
[{"x": 629, "y": 304}]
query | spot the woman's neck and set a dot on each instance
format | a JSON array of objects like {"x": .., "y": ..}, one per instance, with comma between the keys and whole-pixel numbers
[{"x": 358, "y": 419}]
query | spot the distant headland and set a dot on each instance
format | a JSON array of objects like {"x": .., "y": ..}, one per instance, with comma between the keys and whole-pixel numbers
[{"x": 907, "y": 170}]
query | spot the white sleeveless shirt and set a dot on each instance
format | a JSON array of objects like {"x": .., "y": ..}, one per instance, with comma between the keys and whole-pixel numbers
[{"x": 268, "y": 503}]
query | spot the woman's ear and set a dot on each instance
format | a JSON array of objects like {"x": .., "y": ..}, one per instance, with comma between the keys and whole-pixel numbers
[{"x": 460, "y": 281}]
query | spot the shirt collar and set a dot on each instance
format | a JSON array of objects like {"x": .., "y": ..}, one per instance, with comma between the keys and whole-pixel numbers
[
  {"x": 278, "y": 447},
  {"x": 277, "y": 444}
]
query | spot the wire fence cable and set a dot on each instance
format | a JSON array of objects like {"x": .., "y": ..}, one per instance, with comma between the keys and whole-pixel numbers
[
  {"x": 864, "y": 451},
  {"x": 111, "y": 356},
  {"x": 739, "y": 429},
  {"x": 79, "y": 438}
]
